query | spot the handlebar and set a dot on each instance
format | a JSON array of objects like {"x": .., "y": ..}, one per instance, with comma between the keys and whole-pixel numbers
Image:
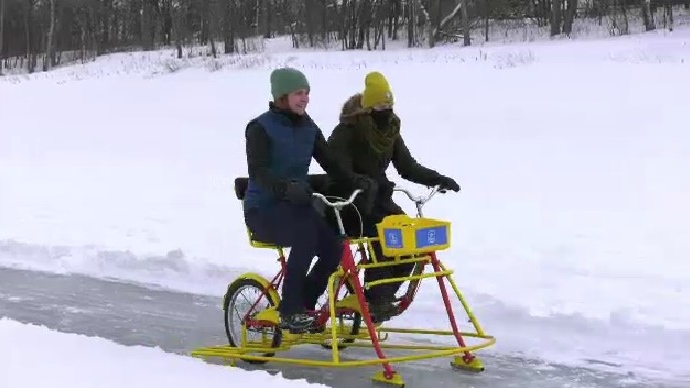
[
  {"x": 338, "y": 204},
  {"x": 419, "y": 200}
]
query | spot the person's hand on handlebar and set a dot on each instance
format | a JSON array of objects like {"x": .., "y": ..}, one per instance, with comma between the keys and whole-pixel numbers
[
  {"x": 298, "y": 193},
  {"x": 364, "y": 183},
  {"x": 365, "y": 201},
  {"x": 446, "y": 183}
]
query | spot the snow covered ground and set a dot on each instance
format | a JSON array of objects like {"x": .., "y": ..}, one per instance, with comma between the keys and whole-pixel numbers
[
  {"x": 572, "y": 157},
  {"x": 75, "y": 361}
]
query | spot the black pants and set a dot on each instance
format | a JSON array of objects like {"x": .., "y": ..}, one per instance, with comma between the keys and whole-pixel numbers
[
  {"x": 351, "y": 222},
  {"x": 307, "y": 234}
]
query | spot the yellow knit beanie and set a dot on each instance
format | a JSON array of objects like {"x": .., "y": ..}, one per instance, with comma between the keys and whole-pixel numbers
[{"x": 377, "y": 91}]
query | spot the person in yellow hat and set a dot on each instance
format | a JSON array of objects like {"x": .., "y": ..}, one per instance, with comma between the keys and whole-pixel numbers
[{"x": 367, "y": 140}]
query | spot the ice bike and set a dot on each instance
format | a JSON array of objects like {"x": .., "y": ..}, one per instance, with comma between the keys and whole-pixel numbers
[{"x": 341, "y": 320}]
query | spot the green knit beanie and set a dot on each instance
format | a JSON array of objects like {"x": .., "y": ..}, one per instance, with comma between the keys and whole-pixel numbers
[{"x": 287, "y": 80}]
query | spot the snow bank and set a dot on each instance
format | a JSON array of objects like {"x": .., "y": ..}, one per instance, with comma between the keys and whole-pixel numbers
[{"x": 34, "y": 356}]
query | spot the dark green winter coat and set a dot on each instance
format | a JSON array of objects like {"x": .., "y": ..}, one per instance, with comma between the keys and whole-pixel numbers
[{"x": 369, "y": 144}]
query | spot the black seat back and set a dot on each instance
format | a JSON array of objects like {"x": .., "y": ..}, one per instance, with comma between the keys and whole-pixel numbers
[{"x": 318, "y": 183}]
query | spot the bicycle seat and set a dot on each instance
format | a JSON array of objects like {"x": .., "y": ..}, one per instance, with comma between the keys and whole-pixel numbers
[{"x": 318, "y": 182}]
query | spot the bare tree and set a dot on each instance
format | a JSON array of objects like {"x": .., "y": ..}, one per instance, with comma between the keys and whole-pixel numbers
[
  {"x": 28, "y": 21},
  {"x": 147, "y": 24},
  {"x": 465, "y": 24},
  {"x": 556, "y": 17},
  {"x": 439, "y": 22},
  {"x": 569, "y": 17},
  {"x": 394, "y": 16},
  {"x": 2, "y": 30},
  {"x": 176, "y": 11},
  {"x": 48, "y": 60},
  {"x": 487, "y": 16},
  {"x": 229, "y": 12},
  {"x": 411, "y": 23},
  {"x": 647, "y": 16},
  {"x": 668, "y": 10},
  {"x": 212, "y": 23},
  {"x": 621, "y": 6}
]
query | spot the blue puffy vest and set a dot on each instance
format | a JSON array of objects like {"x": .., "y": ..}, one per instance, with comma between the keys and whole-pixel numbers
[{"x": 292, "y": 147}]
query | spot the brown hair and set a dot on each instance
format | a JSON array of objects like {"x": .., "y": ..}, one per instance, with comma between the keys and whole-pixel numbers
[{"x": 282, "y": 102}]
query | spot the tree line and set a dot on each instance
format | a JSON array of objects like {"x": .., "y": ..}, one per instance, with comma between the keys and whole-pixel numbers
[{"x": 56, "y": 31}]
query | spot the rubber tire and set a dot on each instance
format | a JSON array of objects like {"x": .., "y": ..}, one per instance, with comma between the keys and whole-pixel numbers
[{"x": 233, "y": 288}]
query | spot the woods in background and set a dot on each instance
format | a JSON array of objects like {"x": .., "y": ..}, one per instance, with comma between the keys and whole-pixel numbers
[{"x": 50, "y": 32}]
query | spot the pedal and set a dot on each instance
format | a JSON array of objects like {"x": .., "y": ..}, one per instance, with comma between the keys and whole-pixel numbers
[
  {"x": 350, "y": 302},
  {"x": 300, "y": 331},
  {"x": 316, "y": 329},
  {"x": 269, "y": 315},
  {"x": 296, "y": 331}
]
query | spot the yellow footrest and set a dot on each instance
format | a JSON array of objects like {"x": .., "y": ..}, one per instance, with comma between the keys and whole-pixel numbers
[
  {"x": 350, "y": 302},
  {"x": 476, "y": 365},
  {"x": 269, "y": 315},
  {"x": 396, "y": 379}
]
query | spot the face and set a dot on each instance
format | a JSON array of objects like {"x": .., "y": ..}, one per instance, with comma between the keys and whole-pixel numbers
[
  {"x": 381, "y": 114},
  {"x": 298, "y": 100},
  {"x": 382, "y": 107}
]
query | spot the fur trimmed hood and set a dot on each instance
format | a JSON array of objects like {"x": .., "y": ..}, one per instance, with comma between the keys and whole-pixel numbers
[
  {"x": 355, "y": 118},
  {"x": 352, "y": 108}
]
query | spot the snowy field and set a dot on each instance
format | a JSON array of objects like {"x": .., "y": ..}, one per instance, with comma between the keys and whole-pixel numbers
[
  {"x": 76, "y": 361},
  {"x": 572, "y": 157}
]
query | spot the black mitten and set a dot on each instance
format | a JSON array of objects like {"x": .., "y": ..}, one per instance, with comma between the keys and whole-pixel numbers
[
  {"x": 298, "y": 193},
  {"x": 365, "y": 200},
  {"x": 446, "y": 183}
]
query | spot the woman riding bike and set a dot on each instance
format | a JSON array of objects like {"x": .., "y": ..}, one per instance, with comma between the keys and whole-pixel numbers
[
  {"x": 366, "y": 140},
  {"x": 278, "y": 203}
]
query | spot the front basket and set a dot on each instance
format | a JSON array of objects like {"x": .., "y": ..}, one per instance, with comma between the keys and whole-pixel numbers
[{"x": 402, "y": 235}]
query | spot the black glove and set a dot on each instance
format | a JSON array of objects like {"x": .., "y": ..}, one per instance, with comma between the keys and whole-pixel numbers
[
  {"x": 385, "y": 188},
  {"x": 446, "y": 183},
  {"x": 298, "y": 193},
  {"x": 365, "y": 200},
  {"x": 364, "y": 183}
]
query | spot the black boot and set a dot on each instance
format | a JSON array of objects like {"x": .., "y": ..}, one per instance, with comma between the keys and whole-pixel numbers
[
  {"x": 382, "y": 305},
  {"x": 297, "y": 323},
  {"x": 382, "y": 311}
]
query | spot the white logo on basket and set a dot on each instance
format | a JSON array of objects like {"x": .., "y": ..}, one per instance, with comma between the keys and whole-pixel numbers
[
  {"x": 393, "y": 238},
  {"x": 431, "y": 236}
]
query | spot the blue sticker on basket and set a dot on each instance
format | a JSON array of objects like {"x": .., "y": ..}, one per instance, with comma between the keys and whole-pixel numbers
[
  {"x": 434, "y": 236},
  {"x": 393, "y": 238}
]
